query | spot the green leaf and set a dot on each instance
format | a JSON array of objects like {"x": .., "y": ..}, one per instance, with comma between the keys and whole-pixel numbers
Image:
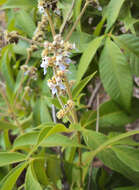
[
  {"x": 44, "y": 112},
  {"x": 19, "y": 4},
  {"x": 93, "y": 139},
  {"x": 79, "y": 87},
  {"x": 88, "y": 56},
  {"x": 127, "y": 188},
  {"x": 102, "y": 148},
  {"x": 5, "y": 125},
  {"x": 109, "y": 158},
  {"x": 48, "y": 131},
  {"x": 7, "y": 158},
  {"x": 30, "y": 139},
  {"x": 45, "y": 133},
  {"x": 115, "y": 74},
  {"x": 81, "y": 39},
  {"x": 2, "y": 2},
  {"x": 99, "y": 27},
  {"x": 26, "y": 140},
  {"x": 76, "y": 12},
  {"x": 6, "y": 68},
  {"x": 21, "y": 48},
  {"x": 112, "y": 13},
  {"x": 110, "y": 142},
  {"x": 128, "y": 155},
  {"x": 128, "y": 20},
  {"x": 53, "y": 170},
  {"x": 31, "y": 182},
  {"x": 7, "y": 141},
  {"x": 41, "y": 113},
  {"x": 40, "y": 171},
  {"x": 110, "y": 115},
  {"x": 8, "y": 182},
  {"x": 25, "y": 22},
  {"x": 27, "y": 122},
  {"x": 129, "y": 43},
  {"x": 60, "y": 140}
]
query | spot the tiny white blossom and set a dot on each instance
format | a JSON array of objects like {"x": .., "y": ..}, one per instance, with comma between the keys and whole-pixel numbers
[
  {"x": 74, "y": 46},
  {"x": 41, "y": 9},
  {"x": 99, "y": 8},
  {"x": 46, "y": 44},
  {"x": 57, "y": 11},
  {"x": 68, "y": 60},
  {"x": 45, "y": 64},
  {"x": 62, "y": 67}
]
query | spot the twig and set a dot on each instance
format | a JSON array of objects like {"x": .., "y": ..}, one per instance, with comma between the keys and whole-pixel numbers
[
  {"x": 77, "y": 20},
  {"x": 97, "y": 122},
  {"x": 65, "y": 183},
  {"x": 54, "y": 113},
  {"x": 51, "y": 24},
  {"x": 19, "y": 90},
  {"x": 90, "y": 176},
  {"x": 94, "y": 93},
  {"x": 30, "y": 41},
  {"x": 4, "y": 114},
  {"x": 67, "y": 17}
]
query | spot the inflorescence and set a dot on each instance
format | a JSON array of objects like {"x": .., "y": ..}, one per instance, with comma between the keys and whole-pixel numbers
[{"x": 56, "y": 55}]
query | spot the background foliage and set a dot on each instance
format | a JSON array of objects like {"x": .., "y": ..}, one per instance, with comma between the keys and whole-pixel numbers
[{"x": 38, "y": 154}]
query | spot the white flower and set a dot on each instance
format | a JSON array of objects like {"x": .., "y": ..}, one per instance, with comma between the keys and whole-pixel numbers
[
  {"x": 66, "y": 54},
  {"x": 62, "y": 67},
  {"x": 45, "y": 64},
  {"x": 99, "y": 8},
  {"x": 54, "y": 87},
  {"x": 59, "y": 58},
  {"x": 46, "y": 44},
  {"x": 57, "y": 11},
  {"x": 41, "y": 9},
  {"x": 74, "y": 46},
  {"x": 67, "y": 60}
]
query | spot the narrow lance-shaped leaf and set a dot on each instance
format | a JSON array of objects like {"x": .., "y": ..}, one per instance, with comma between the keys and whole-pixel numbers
[
  {"x": 88, "y": 56},
  {"x": 25, "y": 22},
  {"x": 19, "y": 4},
  {"x": 129, "y": 43},
  {"x": 6, "y": 125},
  {"x": 31, "y": 182},
  {"x": 112, "y": 13},
  {"x": 79, "y": 87},
  {"x": 115, "y": 74},
  {"x": 110, "y": 114},
  {"x": 77, "y": 10},
  {"x": 129, "y": 156},
  {"x": 110, "y": 142},
  {"x": 10, "y": 157},
  {"x": 6, "y": 67},
  {"x": 8, "y": 182}
]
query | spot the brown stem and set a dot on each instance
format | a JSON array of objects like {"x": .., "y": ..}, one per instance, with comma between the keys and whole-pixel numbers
[
  {"x": 76, "y": 22},
  {"x": 30, "y": 41},
  {"x": 67, "y": 17},
  {"x": 78, "y": 133},
  {"x": 51, "y": 23}
]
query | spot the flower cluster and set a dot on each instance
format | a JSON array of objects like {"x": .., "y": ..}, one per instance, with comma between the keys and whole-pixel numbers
[
  {"x": 68, "y": 107},
  {"x": 29, "y": 71},
  {"x": 43, "y": 5},
  {"x": 39, "y": 32},
  {"x": 11, "y": 37},
  {"x": 57, "y": 55}
]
